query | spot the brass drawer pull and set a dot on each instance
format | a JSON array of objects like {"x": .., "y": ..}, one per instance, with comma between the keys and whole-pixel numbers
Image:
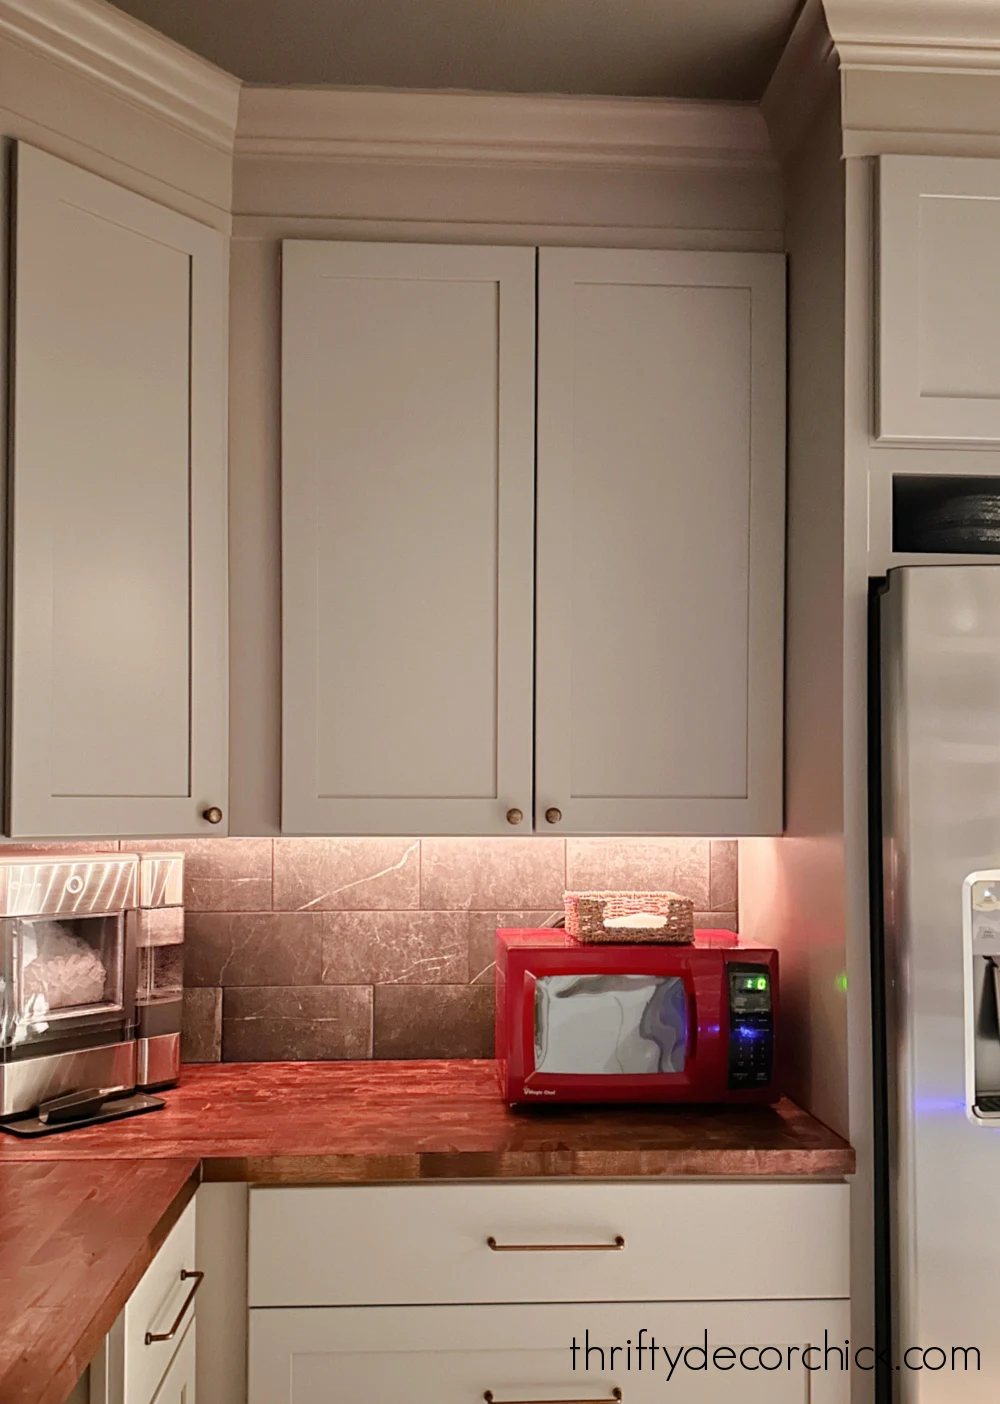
[
  {"x": 153, "y": 1336},
  {"x": 613, "y": 1398},
  {"x": 614, "y": 1247}
]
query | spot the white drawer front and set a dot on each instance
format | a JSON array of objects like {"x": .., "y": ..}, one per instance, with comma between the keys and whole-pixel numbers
[
  {"x": 374, "y": 1245},
  {"x": 154, "y": 1307},
  {"x": 178, "y": 1384},
  {"x": 453, "y": 1355}
]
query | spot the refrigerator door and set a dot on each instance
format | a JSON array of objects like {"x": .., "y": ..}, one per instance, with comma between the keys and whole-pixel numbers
[{"x": 940, "y": 638}]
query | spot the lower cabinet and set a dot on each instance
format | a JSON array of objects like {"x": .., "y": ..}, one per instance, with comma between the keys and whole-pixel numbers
[
  {"x": 456, "y": 1293},
  {"x": 751, "y": 1352},
  {"x": 148, "y": 1356}
]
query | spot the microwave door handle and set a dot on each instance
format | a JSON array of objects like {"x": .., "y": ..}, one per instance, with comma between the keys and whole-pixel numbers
[{"x": 692, "y": 1039}]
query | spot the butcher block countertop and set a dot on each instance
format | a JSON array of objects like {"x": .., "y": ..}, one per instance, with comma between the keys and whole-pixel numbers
[
  {"x": 85, "y": 1211},
  {"x": 328, "y": 1123}
]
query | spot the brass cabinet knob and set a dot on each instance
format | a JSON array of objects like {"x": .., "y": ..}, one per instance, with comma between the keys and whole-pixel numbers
[
  {"x": 553, "y": 815},
  {"x": 213, "y": 815},
  {"x": 514, "y": 816}
]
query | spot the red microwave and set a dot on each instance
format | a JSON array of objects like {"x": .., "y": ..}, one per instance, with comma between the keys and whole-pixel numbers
[{"x": 577, "y": 1022}]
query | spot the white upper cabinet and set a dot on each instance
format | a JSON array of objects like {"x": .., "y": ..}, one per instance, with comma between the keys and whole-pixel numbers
[
  {"x": 407, "y": 505},
  {"x": 118, "y": 647},
  {"x": 939, "y": 300},
  {"x": 660, "y": 542}
]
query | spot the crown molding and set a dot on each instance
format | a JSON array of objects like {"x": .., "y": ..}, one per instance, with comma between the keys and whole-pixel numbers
[
  {"x": 364, "y": 124},
  {"x": 93, "y": 38},
  {"x": 805, "y": 79},
  {"x": 945, "y": 36}
]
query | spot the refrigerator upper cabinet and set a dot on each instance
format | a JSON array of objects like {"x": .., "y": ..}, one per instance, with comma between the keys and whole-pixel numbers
[
  {"x": 118, "y": 647},
  {"x": 660, "y": 542},
  {"x": 407, "y": 533},
  {"x": 939, "y": 300}
]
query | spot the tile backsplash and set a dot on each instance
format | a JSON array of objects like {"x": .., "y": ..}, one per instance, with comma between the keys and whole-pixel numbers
[
  {"x": 313, "y": 948},
  {"x": 361, "y": 948}
]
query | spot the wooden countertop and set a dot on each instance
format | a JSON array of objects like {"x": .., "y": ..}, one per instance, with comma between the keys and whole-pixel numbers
[
  {"x": 85, "y": 1211},
  {"x": 75, "y": 1242},
  {"x": 315, "y": 1123}
]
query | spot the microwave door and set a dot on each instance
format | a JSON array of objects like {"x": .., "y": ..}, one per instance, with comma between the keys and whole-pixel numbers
[{"x": 624, "y": 1025}]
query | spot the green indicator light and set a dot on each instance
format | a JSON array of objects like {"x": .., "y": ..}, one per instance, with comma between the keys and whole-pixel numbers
[
  {"x": 762, "y": 983},
  {"x": 842, "y": 983}
]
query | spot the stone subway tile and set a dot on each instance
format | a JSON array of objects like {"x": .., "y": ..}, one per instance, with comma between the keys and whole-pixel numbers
[{"x": 277, "y": 1024}]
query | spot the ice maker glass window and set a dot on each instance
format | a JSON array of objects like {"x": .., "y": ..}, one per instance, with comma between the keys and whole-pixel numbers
[
  {"x": 161, "y": 954},
  {"x": 614, "y": 1024},
  {"x": 62, "y": 968}
]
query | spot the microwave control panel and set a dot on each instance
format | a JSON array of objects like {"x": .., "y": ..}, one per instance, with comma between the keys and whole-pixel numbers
[{"x": 751, "y": 1026}]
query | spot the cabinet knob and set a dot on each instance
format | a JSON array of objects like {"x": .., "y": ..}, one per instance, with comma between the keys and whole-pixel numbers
[
  {"x": 553, "y": 815},
  {"x": 514, "y": 816},
  {"x": 213, "y": 815}
]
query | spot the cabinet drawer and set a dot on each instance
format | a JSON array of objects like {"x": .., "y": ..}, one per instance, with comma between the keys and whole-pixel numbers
[
  {"x": 178, "y": 1384},
  {"x": 366, "y": 1245},
  {"x": 454, "y": 1355},
  {"x": 154, "y": 1306}
]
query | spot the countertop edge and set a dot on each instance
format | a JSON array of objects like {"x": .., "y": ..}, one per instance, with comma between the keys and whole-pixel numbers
[{"x": 463, "y": 1165}]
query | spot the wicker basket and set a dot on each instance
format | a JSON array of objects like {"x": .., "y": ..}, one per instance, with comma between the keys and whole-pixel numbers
[{"x": 588, "y": 915}]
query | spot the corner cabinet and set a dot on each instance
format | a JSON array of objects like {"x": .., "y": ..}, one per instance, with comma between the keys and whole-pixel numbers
[
  {"x": 118, "y": 574},
  {"x": 474, "y": 646}
]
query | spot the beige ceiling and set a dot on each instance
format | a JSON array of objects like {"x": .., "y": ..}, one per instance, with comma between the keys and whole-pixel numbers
[{"x": 665, "y": 48}]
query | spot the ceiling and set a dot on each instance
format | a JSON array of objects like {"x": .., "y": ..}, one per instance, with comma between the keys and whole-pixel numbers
[{"x": 635, "y": 48}]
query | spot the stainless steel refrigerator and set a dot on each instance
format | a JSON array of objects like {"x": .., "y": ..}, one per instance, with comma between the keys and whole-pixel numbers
[{"x": 935, "y": 744}]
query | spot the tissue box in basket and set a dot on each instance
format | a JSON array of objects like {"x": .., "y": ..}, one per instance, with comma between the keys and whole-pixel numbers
[{"x": 665, "y": 917}]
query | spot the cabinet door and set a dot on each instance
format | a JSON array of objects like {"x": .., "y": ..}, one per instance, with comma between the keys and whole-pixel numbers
[
  {"x": 660, "y": 542},
  {"x": 118, "y": 648},
  {"x": 454, "y": 1355},
  {"x": 407, "y": 482},
  {"x": 939, "y": 300}
]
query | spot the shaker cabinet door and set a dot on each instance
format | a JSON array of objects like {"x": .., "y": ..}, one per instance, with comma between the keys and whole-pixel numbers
[
  {"x": 660, "y": 542},
  {"x": 752, "y": 1353},
  {"x": 118, "y": 616},
  {"x": 407, "y": 509},
  {"x": 938, "y": 300}
]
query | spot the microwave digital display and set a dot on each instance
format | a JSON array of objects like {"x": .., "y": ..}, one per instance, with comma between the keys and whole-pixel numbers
[
  {"x": 610, "y": 1024},
  {"x": 749, "y": 991}
]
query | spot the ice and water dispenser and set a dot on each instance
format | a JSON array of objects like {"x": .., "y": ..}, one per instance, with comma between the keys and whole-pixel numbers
[{"x": 981, "y": 944}]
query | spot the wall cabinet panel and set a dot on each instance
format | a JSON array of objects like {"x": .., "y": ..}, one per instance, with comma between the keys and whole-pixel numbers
[
  {"x": 407, "y": 481},
  {"x": 660, "y": 559},
  {"x": 939, "y": 300},
  {"x": 118, "y": 643}
]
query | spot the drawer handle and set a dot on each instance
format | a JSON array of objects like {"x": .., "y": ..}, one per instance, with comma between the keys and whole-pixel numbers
[
  {"x": 613, "y": 1398},
  {"x": 198, "y": 1278},
  {"x": 614, "y": 1247}
]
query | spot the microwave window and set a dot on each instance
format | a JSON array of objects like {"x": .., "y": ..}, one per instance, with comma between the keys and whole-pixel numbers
[{"x": 613, "y": 1024}]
